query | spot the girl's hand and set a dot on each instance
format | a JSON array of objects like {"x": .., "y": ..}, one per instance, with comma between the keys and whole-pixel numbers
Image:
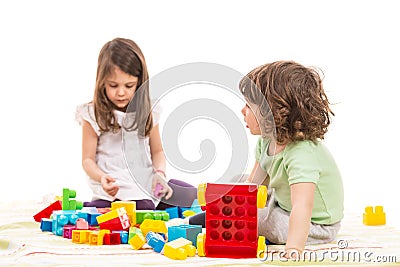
[
  {"x": 107, "y": 182},
  {"x": 166, "y": 191}
]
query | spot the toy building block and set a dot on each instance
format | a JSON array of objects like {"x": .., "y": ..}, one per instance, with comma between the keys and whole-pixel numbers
[
  {"x": 97, "y": 237},
  {"x": 80, "y": 236},
  {"x": 138, "y": 239},
  {"x": 262, "y": 195},
  {"x": 154, "y": 226},
  {"x": 261, "y": 247},
  {"x": 119, "y": 223},
  {"x": 46, "y": 212},
  {"x": 141, "y": 215},
  {"x": 123, "y": 236},
  {"x": 92, "y": 218},
  {"x": 188, "y": 213},
  {"x": 200, "y": 244},
  {"x": 156, "y": 241},
  {"x": 157, "y": 190},
  {"x": 132, "y": 232},
  {"x": 130, "y": 207},
  {"x": 46, "y": 225},
  {"x": 377, "y": 217},
  {"x": 174, "y": 212},
  {"x": 82, "y": 224},
  {"x": 92, "y": 214},
  {"x": 112, "y": 239},
  {"x": 184, "y": 212},
  {"x": 67, "y": 231},
  {"x": 201, "y": 194},
  {"x": 196, "y": 206},
  {"x": 232, "y": 220},
  {"x": 186, "y": 231},
  {"x": 111, "y": 215},
  {"x": 68, "y": 203},
  {"x": 93, "y": 238},
  {"x": 62, "y": 218},
  {"x": 179, "y": 249},
  {"x": 89, "y": 210}
]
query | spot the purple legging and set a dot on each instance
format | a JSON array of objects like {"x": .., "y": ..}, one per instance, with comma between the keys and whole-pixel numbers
[{"x": 183, "y": 196}]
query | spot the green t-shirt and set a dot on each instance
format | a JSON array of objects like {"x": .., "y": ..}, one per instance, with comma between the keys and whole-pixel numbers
[{"x": 305, "y": 161}]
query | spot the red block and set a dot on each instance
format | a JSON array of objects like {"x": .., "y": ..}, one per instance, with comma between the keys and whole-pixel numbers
[
  {"x": 112, "y": 239},
  {"x": 116, "y": 224},
  {"x": 231, "y": 225},
  {"x": 46, "y": 213}
]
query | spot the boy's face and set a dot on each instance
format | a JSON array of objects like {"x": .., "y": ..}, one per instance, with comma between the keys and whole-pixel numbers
[
  {"x": 120, "y": 87},
  {"x": 251, "y": 120}
]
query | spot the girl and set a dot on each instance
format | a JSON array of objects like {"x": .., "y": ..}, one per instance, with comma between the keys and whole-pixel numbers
[
  {"x": 121, "y": 77},
  {"x": 288, "y": 108}
]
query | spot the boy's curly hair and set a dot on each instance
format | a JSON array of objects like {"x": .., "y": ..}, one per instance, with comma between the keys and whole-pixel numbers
[{"x": 295, "y": 100}]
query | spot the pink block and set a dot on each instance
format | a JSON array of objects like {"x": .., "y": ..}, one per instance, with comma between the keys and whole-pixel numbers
[{"x": 82, "y": 224}]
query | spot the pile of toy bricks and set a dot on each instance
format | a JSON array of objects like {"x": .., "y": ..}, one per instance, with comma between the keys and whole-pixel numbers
[{"x": 120, "y": 224}]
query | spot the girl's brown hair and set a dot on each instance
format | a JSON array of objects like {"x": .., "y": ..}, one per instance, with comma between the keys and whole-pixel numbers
[
  {"x": 296, "y": 103},
  {"x": 126, "y": 55}
]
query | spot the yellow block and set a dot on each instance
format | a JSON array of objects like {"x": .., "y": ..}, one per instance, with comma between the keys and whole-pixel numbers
[
  {"x": 137, "y": 241},
  {"x": 179, "y": 249},
  {"x": 157, "y": 226},
  {"x": 130, "y": 207},
  {"x": 201, "y": 194},
  {"x": 111, "y": 215},
  {"x": 377, "y": 217}
]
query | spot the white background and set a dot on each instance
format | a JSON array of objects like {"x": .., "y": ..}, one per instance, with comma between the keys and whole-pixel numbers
[{"x": 48, "y": 56}]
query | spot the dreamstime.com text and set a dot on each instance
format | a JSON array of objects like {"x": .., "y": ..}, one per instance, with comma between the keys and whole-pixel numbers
[{"x": 341, "y": 253}]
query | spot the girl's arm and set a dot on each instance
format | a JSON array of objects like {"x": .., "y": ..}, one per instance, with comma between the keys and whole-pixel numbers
[
  {"x": 158, "y": 159},
  {"x": 89, "y": 146},
  {"x": 302, "y": 198},
  {"x": 156, "y": 149}
]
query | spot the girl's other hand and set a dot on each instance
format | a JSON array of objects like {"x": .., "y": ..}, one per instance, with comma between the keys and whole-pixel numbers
[
  {"x": 107, "y": 182},
  {"x": 165, "y": 191}
]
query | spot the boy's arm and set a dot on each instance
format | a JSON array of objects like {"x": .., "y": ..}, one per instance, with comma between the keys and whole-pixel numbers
[
  {"x": 257, "y": 175},
  {"x": 302, "y": 198}
]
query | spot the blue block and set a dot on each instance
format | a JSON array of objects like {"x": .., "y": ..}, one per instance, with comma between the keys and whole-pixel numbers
[
  {"x": 174, "y": 212},
  {"x": 46, "y": 225},
  {"x": 156, "y": 241},
  {"x": 92, "y": 218},
  {"x": 196, "y": 207},
  {"x": 187, "y": 231},
  {"x": 64, "y": 217},
  {"x": 123, "y": 236}
]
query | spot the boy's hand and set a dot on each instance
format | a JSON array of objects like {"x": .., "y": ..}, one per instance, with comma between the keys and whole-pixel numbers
[
  {"x": 165, "y": 190},
  {"x": 292, "y": 254},
  {"x": 107, "y": 182}
]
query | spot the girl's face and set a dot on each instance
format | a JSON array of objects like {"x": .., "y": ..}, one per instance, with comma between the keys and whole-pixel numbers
[
  {"x": 120, "y": 87},
  {"x": 251, "y": 120}
]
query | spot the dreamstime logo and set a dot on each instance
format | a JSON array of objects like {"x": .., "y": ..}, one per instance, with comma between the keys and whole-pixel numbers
[
  {"x": 218, "y": 112},
  {"x": 342, "y": 253}
]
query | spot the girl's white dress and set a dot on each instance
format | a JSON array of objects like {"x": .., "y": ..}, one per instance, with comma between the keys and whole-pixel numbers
[{"x": 123, "y": 155}]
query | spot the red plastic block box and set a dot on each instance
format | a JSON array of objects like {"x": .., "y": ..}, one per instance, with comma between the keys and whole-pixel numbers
[{"x": 231, "y": 219}]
